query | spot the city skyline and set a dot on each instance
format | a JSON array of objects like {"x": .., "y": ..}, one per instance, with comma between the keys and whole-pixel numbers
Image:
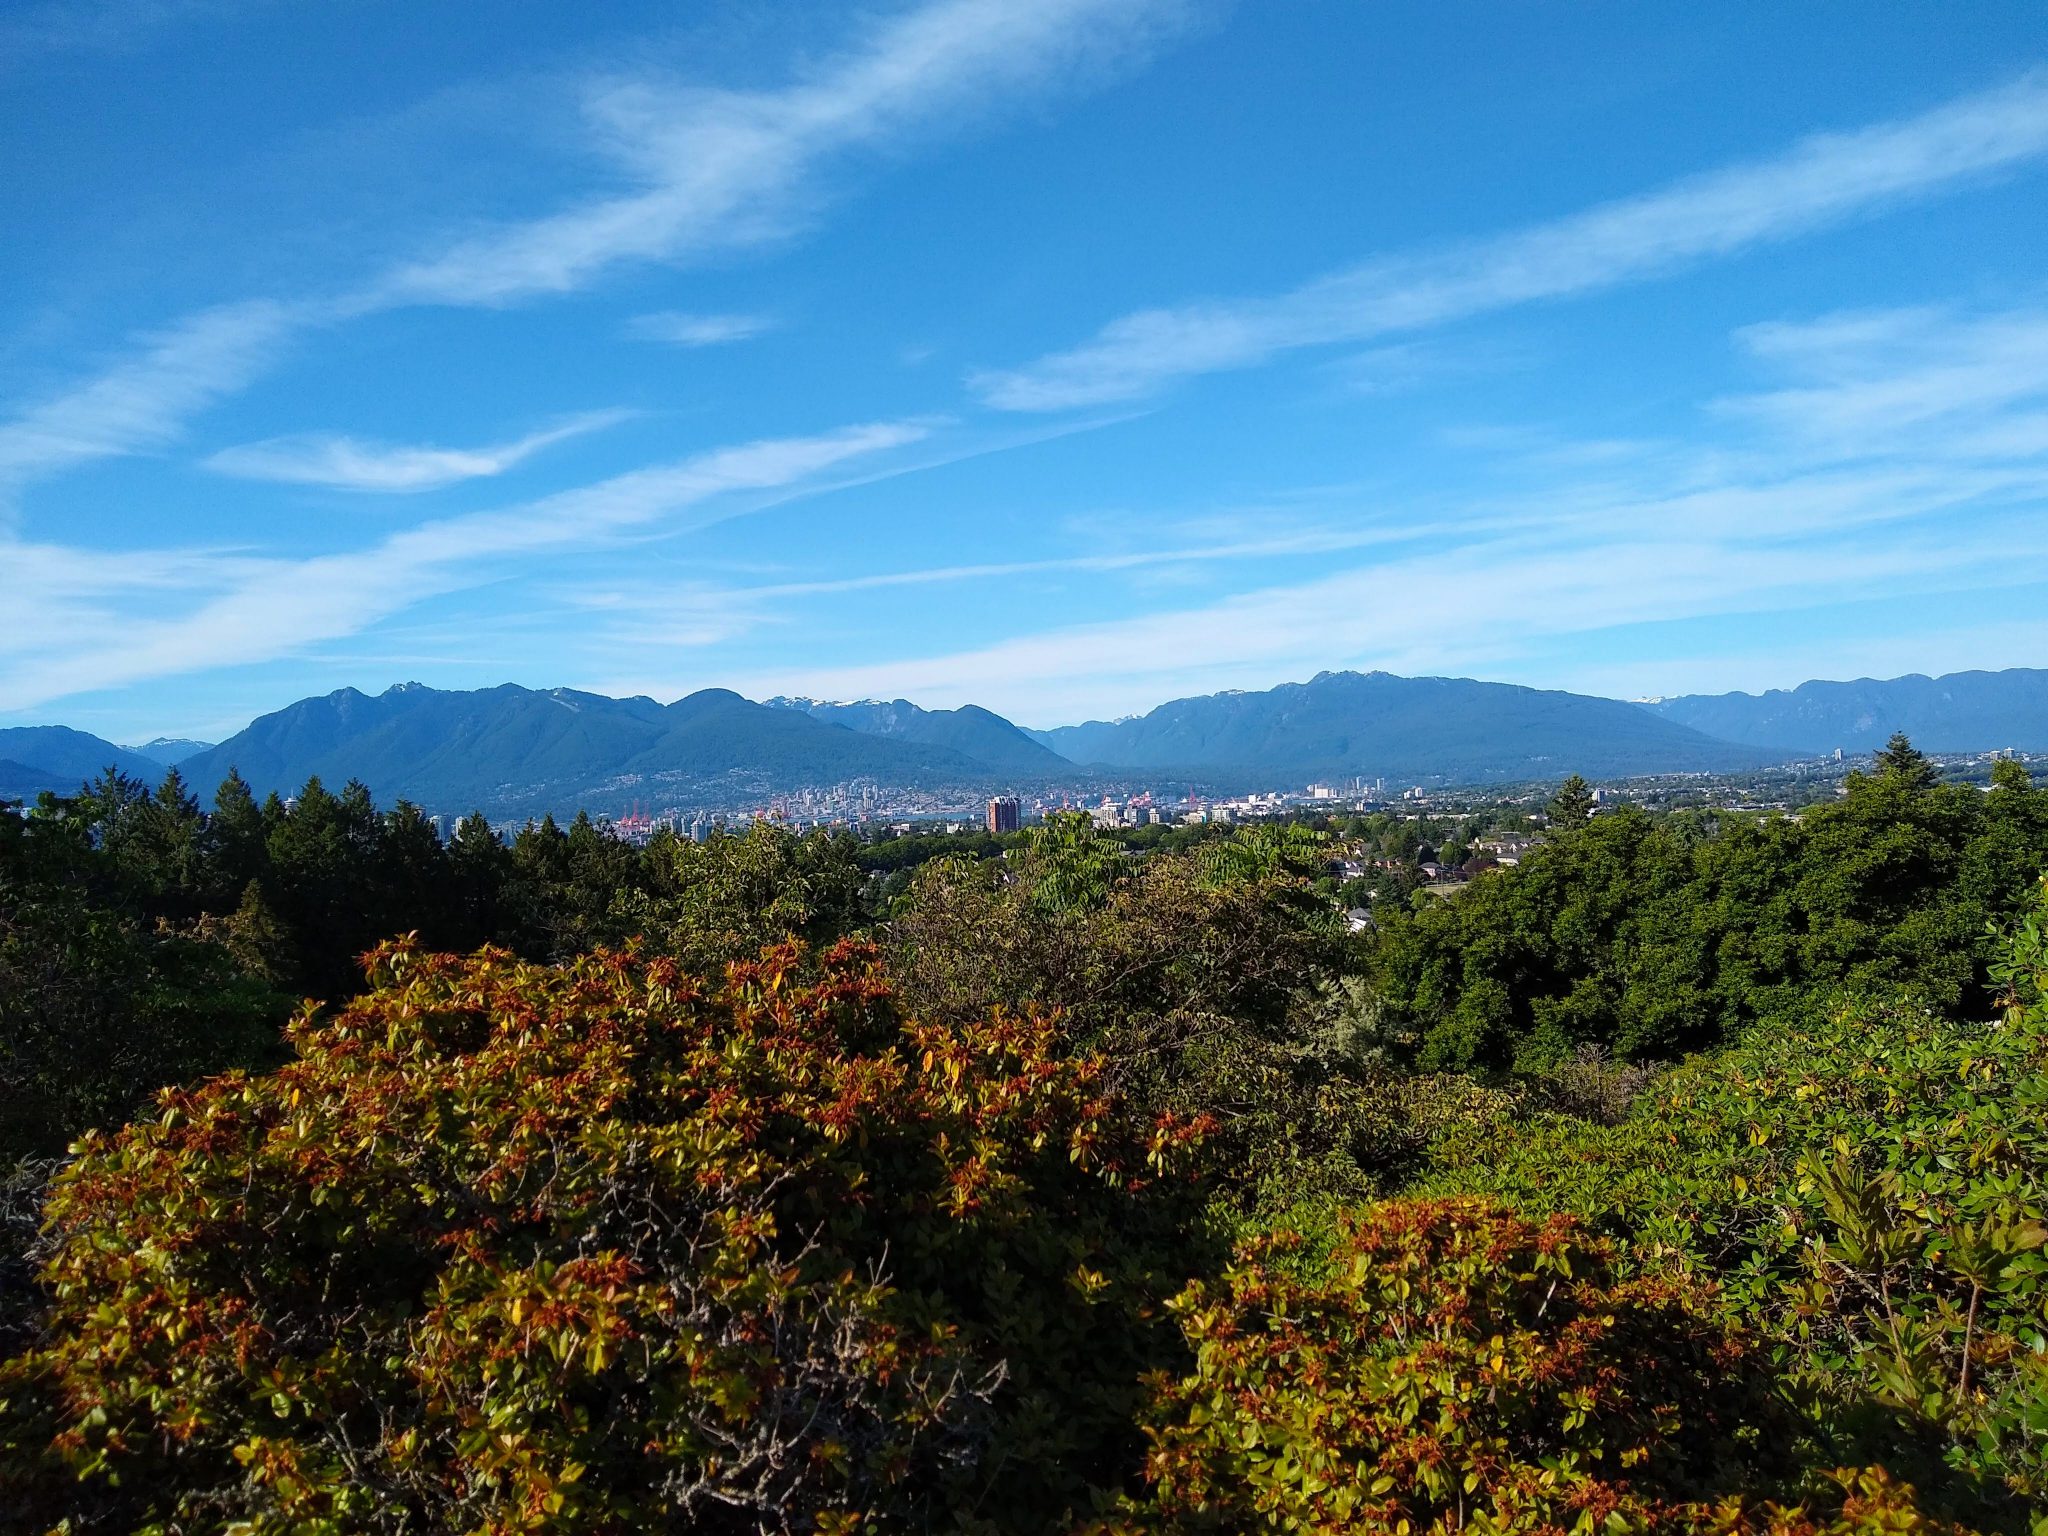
[{"x": 1061, "y": 359}]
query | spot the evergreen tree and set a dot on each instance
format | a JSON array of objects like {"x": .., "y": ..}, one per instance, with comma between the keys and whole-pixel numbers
[
  {"x": 602, "y": 870},
  {"x": 481, "y": 866},
  {"x": 169, "y": 849},
  {"x": 258, "y": 939},
  {"x": 413, "y": 886},
  {"x": 110, "y": 805},
  {"x": 1902, "y": 761},
  {"x": 310, "y": 854},
  {"x": 236, "y": 836},
  {"x": 537, "y": 874},
  {"x": 1572, "y": 804},
  {"x": 361, "y": 827}
]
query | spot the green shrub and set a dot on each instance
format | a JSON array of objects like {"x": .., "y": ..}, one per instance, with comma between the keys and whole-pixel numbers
[
  {"x": 1447, "y": 1366},
  {"x": 730, "y": 896},
  {"x": 1870, "y": 1190}
]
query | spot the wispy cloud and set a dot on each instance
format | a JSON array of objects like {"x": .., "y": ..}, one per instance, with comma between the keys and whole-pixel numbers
[
  {"x": 345, "y": 463},
  {"x": 671, "y": 613},
  {"x": 716, "y": 169},
  {"x": 1898, "y": 463},
  {"x": 60, "y": 598},
  {"x": 143, "y": 402},
  {"x": 1822, "y": 181},
  {"x": 1887, "y": 383},
  {"x": 682, "y": 330},
  {"x": 1394, "y": 615},
  {"x": 1309, "y": 542},
  {"x": 708, "y": 170},
  {"x": 248, "y": 608}
]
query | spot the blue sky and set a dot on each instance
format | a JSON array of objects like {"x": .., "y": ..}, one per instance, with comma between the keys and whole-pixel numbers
[{"x": 1062, "y": 358}]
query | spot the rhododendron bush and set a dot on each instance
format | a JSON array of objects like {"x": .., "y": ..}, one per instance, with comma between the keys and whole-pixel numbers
[{"x": 510, "y": 1248}]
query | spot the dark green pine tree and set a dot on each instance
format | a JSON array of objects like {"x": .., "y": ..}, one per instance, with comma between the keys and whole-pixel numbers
[
  {"x": 482, "y": 868},
  {"x": 111, "y": 804},
  {"x": 1905, "y": 764},
  {"x": 601, "y": 870},
  {"x": 532, "y": 907},
  {"x": 413, "y": 883},
  {"x": 310, "y": 857},
  {"x": 1572, "y": 804},
  {"x": 166, "y": 853},
  {"x": 257, "y": 938},
  {"x": 361, "y": 827},
  {"x": 235, "y": 840}
]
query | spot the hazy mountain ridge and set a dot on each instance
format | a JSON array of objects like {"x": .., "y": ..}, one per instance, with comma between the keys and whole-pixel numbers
[
  {"x": 171, "y": 750},
  {"x": 516, "y": 751},
  {"x": 1959, "y": 712},
  {"x": 509, "y": 748},
  {"x": 1374, "y": 724},
  {"x": 22, "y": 781},
  {"x": 974, "y": 732},
  {"x": 34, "y": 758}
]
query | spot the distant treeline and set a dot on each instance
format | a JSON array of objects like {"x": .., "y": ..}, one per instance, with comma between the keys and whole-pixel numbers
[{"x": 179, "y": 935}]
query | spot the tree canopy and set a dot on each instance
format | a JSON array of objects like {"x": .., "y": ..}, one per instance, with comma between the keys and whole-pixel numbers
[{"x": 1685, "y": 1175}]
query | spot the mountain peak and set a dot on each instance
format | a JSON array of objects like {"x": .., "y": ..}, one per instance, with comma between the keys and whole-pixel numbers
[{"x": 805, "y": 702}]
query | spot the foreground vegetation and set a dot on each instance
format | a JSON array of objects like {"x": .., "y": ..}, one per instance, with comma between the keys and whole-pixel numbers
[{"x": 1690, "y": 1176}]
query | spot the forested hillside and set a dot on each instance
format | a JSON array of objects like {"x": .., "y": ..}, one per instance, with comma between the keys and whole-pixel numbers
[
  {"x": 1957, "y": 712},
  {"x": 1689, "y": 1175},
  {"x": 1342, "y": 724},
  {"x": 523, "y": 750}
]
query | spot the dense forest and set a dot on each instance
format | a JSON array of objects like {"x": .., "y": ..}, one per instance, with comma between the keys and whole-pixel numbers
[{"x": 1689, "y": 1175}]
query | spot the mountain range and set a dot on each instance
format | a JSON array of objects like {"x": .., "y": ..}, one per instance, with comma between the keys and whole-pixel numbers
[
  {"x": 1962, "y": 712},
  {"x": 1346, "y": 724},
  {"x": 515, "y": 751},
  {"x": 512, "y": 750},
  {"x": 34, "y": 758},
  {"x": 971, "y": 731},
  {"x": 169, "y": 749}
]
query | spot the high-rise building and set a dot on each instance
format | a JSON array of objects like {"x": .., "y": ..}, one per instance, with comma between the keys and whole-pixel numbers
[{"x": 1004, "y": 814}]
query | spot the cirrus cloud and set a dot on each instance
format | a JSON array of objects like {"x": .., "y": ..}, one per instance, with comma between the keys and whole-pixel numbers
[
  {"x": 686, "y": 330},
  {"x": 349, "y": 464},
  {"x": 1821, "y": 181},
  {"x": 706, "y": 170}
]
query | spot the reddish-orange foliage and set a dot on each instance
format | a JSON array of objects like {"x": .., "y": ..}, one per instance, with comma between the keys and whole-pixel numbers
[{"x": 511, "y": 1248}]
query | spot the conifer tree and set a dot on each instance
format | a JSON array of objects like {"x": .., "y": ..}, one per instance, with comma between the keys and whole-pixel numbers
[
  {"x": 482, "y": 866},
  {"x": 1906, "y": 764},
  {"x": 1572, "y": 803},
  {"x": 257, "y": 939}
]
